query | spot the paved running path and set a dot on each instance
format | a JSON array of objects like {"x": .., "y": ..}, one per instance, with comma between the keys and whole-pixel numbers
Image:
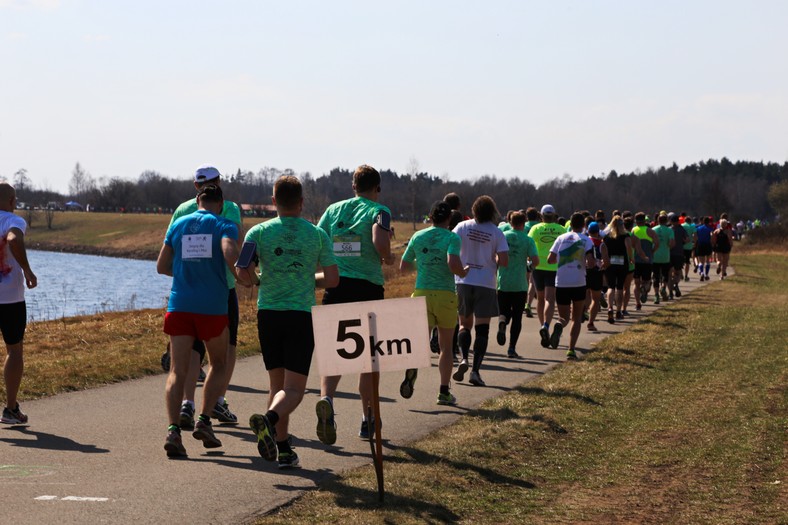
[{"x": 97, "y": 456}]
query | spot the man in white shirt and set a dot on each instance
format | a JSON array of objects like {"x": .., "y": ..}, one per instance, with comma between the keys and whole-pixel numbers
[
  {"x": 15, "y": 273},
  {"x": 484, "y": 249}
]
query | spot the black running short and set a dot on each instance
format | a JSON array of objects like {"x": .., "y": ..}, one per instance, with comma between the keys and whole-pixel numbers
[
  {"x": 703, "y": 250},
  {"x": 543, "y": 278},
  {"x": 594, "y": 280},
  {"x": 286, "y": 339},
  {"x": 616, "y": 274},
  {"x": 351, "y": 290},
  {"x": 677, "y": 261},
  {"x": 13, "y": 321},
  {"x": 511, "y": 304},
  {"x": 688, "y": 256},
  {"x": 566, "y": 296},
  {"x": 643, "y": 271}
]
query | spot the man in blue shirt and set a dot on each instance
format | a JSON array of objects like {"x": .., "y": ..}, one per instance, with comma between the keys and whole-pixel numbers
[{"x": 197, "y": 250}]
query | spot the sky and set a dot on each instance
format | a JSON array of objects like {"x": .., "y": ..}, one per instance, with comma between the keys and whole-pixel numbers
[{"x": 459, "y": 89}]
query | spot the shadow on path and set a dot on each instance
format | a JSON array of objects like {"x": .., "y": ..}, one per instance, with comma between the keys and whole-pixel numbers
[{"x": 50, "y": 442}]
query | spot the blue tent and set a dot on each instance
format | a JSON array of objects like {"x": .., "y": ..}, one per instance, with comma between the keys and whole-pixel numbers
[{"x": 73, "y": 204}]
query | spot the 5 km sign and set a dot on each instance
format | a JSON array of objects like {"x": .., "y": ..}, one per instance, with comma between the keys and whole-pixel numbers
[{"x": 372, "y": 336}]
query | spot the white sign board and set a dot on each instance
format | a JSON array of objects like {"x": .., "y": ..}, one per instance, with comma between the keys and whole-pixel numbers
[{"x": 371, "y": 336}]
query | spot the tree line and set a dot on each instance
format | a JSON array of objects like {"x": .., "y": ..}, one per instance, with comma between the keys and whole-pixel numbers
[{"x": 708, "y": 187}]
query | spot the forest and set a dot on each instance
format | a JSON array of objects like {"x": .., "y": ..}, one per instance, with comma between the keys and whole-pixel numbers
[{"x": 708, "y": 187}]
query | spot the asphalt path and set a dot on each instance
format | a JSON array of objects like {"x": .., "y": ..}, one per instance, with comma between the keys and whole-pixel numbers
[{"x": 97, "y": 456}]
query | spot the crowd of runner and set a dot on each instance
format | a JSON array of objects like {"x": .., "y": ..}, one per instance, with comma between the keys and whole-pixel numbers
[{"x": 470, "y": 270}]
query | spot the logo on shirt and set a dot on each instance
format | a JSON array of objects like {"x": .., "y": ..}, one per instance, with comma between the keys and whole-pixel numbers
[{"x": 295, "y": 264}]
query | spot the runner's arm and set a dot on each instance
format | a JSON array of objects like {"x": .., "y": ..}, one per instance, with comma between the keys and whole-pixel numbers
[
  {"x": 405, "y": 266},
  {"x": 16, "y": 243},
  {"x": 329, "y": 278},
  {"x": 164, "y": 262},
  {"x": 382, "y": 241},
  {"x": 502, "y": 258},
  {"x": 455, "y": 265}
]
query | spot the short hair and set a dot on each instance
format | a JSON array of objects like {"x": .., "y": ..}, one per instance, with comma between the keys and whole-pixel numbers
[
  {"x": 629, "y": 222},
  {"x": 365, "y": 178},
  {"x": 577, "y": 221},
  {"x": 517, "y": 219},
  {"x": 509, "y": 216},
  {"x": 599, "y": 216},
  {"x": 640, "y": 217},
  {"x": 210, "y": 193},
  {"x": 453, "y": 200},
  {"x": 484, "y": 209},
  {"x": 288, "y": 192},
  {"x": 706, "y": 221},
  {"x": 663, "y": 219},
  {"x": 532, "y": 214},
  {"x": 456, "y": 218}
]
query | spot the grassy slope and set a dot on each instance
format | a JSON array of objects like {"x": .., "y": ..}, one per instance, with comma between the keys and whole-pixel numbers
[{"x": 682, "y": 419}]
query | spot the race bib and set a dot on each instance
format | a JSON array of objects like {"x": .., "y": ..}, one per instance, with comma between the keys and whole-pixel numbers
[
  {"x": 347, "y": 246},
  {"x": 617, "y": 260},
  {"x": 197, "y": 246}
]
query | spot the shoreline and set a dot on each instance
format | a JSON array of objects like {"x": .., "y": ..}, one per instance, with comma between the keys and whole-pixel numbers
[{"x": 138, "y": 254}]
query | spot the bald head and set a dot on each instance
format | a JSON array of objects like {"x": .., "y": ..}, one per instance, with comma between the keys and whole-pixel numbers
[{"x": 7, "y": 195}]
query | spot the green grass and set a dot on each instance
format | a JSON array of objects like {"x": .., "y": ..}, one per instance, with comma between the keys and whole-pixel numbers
[{"x": 681, "y": 419}]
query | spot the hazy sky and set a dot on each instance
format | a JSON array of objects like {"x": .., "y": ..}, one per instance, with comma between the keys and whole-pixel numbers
[{"x": 515, "y": 88}]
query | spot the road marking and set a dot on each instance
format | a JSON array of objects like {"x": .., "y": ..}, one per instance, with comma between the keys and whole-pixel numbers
[
  {"x": 69, "y": 498},
  {"x": 25, "y": 471}
]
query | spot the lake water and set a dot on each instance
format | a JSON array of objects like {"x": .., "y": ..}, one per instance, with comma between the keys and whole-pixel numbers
[{"x": 71, "y": 284}]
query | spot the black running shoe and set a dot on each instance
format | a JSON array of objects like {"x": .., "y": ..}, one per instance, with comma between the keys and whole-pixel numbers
[
  {"x": 676, "y": 290},
  {"x": 435, "y": 346},
  {"x": 544, "y": 333},
  {"x": 501, "y": 335},
  {"x": 406, "y": 388},
  {"x": 556, "y": 337}
]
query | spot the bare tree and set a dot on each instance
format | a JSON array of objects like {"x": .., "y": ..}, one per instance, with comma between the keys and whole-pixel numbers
[
  {"x": 81, "y": 182},
  {"x": 413, "y": 173}
]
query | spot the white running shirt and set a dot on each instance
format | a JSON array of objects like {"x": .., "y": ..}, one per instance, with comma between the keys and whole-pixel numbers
[{"x": 480, "y": 243}]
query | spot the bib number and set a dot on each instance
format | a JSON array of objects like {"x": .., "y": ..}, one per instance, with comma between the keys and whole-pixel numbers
[{"x": 197, "y": 246}]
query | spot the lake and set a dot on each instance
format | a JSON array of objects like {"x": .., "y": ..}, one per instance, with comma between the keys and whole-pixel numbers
[{"x": 71, "y": 284}]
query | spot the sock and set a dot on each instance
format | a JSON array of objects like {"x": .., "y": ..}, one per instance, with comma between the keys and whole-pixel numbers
[
  {"x": 175, "y": 428},
  {"x": 444, "y": 389},
  {"x": 546, "y": 326},
  {"x": 220, "y": 401},
  {"x": 706, "y": 271},
  {"x": 272, "y": 417},
  {"x": 205, "y": 419},
  {"x": 187, "y": 402},
  {"x": 283, "y": 446},
  {"x": 464, "y": 340},
  {"x": 480, "y": 345}
]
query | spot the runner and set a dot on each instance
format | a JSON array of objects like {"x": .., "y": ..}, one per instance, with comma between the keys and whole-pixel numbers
[
  {"x": 197, "y": 251},
  {"x": 533, "y": 218},
  {"x": 704, "y": 248},
  {"x": 207, "y": 174},
  {"x": 629, "y": 224},
  {"x": 680, "y": 239},
  {"x": 594, "y": 276},
  {"x": 616, "y": 250},
  {"x": 360, "y": 230},
  {"x": 544, "y": 235},
  {"x": 572, "y": 253},
  {"x": 513, "y": 282},
  {"x": 484, "y": 249},
  {"x": 648, "y": 243},
  {"x": 661, "y": 257},
  {"x": 436, "y": 254},
  {"x": 722, "y": 242},
  {"x": 15, "y": 274},
  {"x": 289, "y": 249},
  {"x": 689, "y": 246}
]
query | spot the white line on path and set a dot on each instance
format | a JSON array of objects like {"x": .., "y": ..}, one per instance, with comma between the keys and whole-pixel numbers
[{"x": 69, "y": 498}]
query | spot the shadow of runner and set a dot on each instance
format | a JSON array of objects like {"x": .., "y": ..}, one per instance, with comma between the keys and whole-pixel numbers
[
  {"x": 532, "y": 390},
  {"x": 50, "y": 442}
]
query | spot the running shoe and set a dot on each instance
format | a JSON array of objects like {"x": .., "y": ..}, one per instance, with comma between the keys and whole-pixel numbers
[
  {"x": 638, "y": 307},
  {"x": 544, "y": 333},
  {"x": 643, "y": 296},
  {"x": 447, "y": 399},
  {"x": 610, "y": 318},
  {"x": 592, "y": 327},
  {"x": 367, "y": 429},
  {"x": 512, "y": 353},
  {"x": 556, "y": 337},
  {"x": 406, "y": 388},
  {"x": 719, "y": 269},
  {"x": 686, "y": 279},
  {"x": 174, "y": 445},
  {"x": 222, "y": 413},
  {"x": 476, "y": 379},
  {"x": 165, "y": 360},
  {"x": 204, "y": 432},
  {"x": 186, "y": 420},
  {"x": 625, "y": 313},
  {"x": 664, "y": 293},
  {"x": 326, "y": 426},
  {"x": 288, "y": 460},
  {"x": 676, "y": 290},
  {"x": 571, "y": 355},
  {"x": 619, "y": 316},
  {"x": 603, "y": 301},
  {"x": 656, "y": 299},
  {"x": 586, "y": 317},
  {"x": 695, "y": 269},
  {"x": 13, "y": 416},
  {"x": 202, "y": 376},
  {"x": 435, "y": 346},
  {"x": 528, "y": 313},
  {"x": 266, "y": 436},
  {"x": 459, "y": 375},
  {"x": 501, "y": 335}
]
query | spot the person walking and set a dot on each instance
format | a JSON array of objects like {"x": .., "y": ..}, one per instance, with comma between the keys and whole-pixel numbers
[{"x": 15, "y": 274}]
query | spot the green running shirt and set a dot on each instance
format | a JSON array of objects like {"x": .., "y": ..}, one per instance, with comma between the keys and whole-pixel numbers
[
  {"x": 665, "y": 235},
  {"x": 289, "y": 249},
  {"x": 514, "y": 278},
  {"x": 348, "y": 225},
  {"x": 544, "y": 235},
  {"x": 429, "y": 249}
]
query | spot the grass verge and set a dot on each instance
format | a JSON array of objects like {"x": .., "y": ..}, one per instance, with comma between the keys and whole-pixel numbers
[{"x": 681, "y": 419}]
